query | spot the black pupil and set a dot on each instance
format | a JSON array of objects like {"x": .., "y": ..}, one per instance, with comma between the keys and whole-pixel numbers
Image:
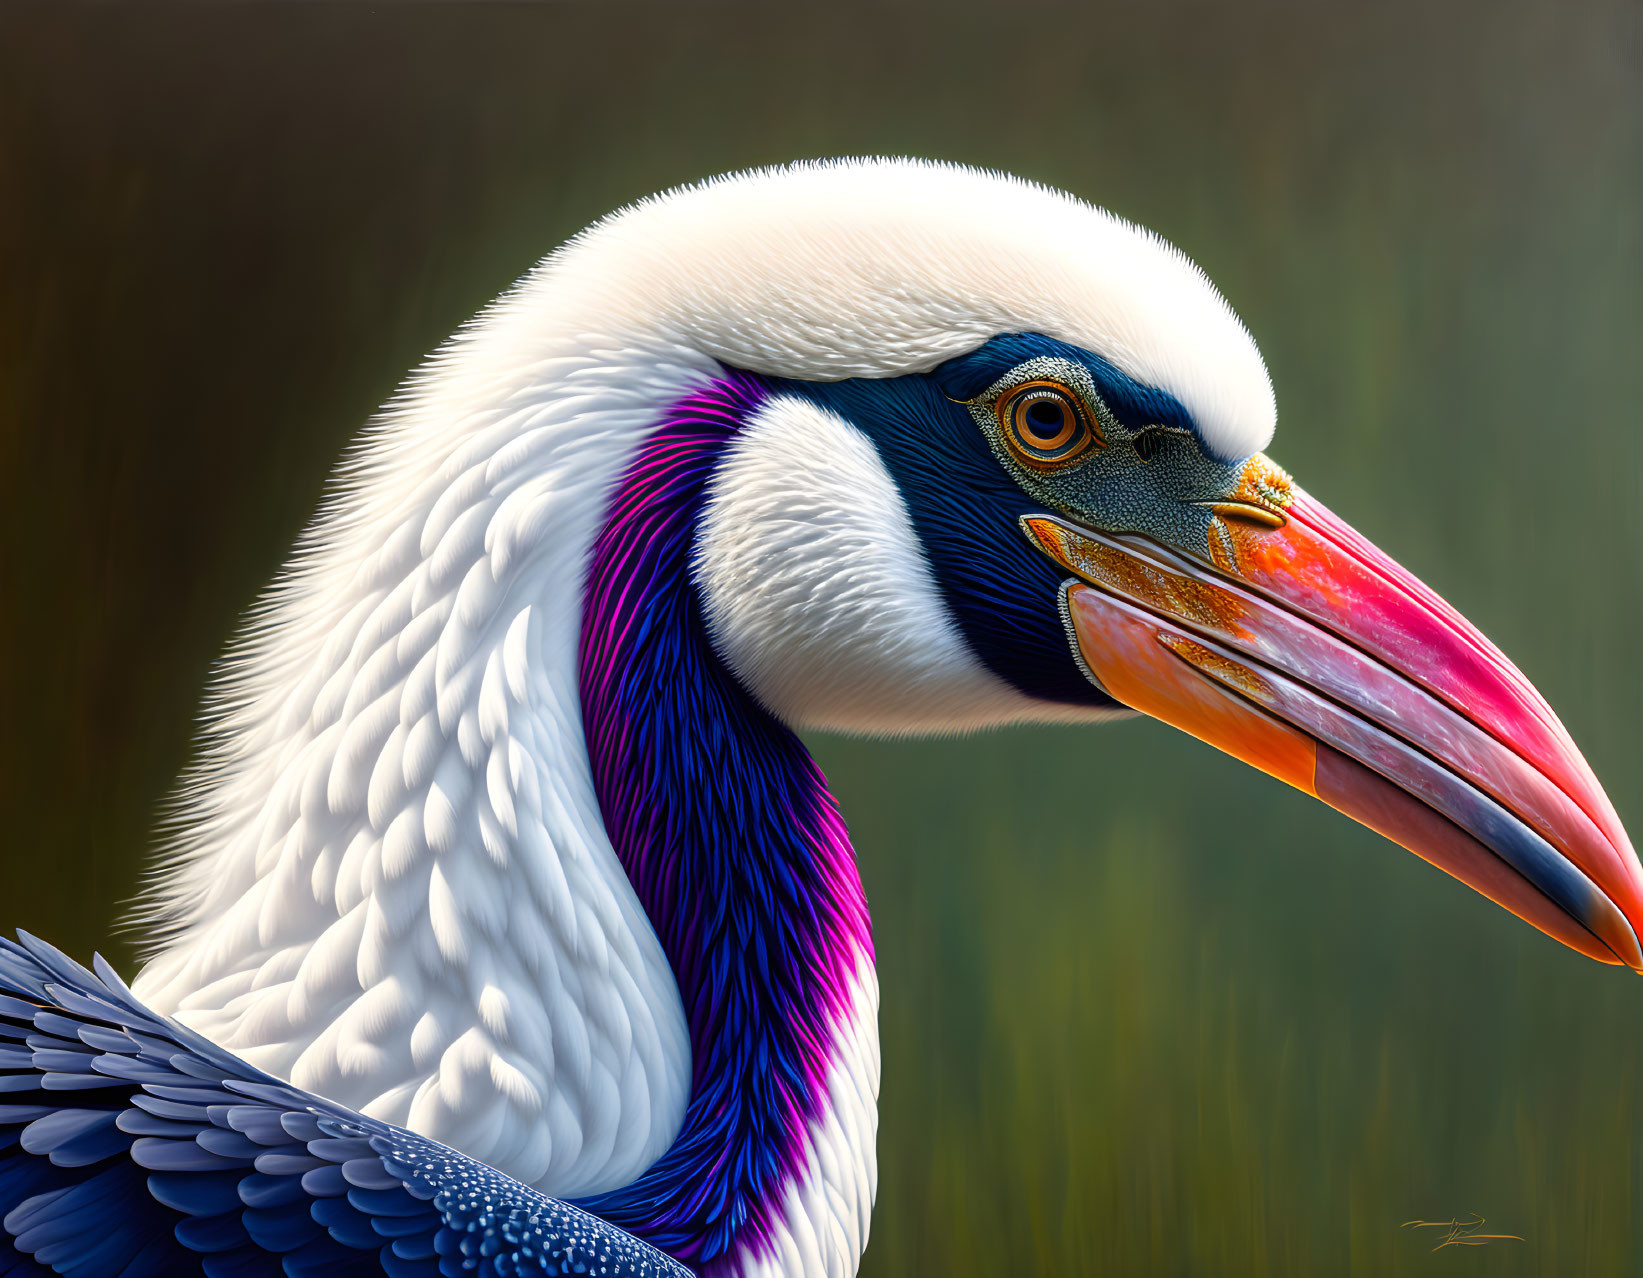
[{"x": 1046, "y": 416}]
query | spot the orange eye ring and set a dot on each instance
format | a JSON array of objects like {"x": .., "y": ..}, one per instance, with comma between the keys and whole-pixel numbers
[{"x": 1044, "y": 425}]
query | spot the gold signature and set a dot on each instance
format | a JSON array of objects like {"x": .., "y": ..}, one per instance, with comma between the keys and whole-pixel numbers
[{"x": 1461, "y": 1233}]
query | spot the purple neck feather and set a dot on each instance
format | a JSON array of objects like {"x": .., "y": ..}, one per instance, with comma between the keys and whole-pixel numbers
[{"x": 735, "y": 848}]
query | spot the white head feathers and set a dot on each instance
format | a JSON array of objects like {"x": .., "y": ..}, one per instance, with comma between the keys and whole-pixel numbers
[{"x": 875, "y": 268}]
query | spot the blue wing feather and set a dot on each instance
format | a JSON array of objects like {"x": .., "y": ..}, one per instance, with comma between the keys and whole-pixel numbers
[{"x": 131, "y": 1146}]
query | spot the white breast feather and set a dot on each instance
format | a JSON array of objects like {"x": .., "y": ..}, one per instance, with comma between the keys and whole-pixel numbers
[{"x": 399, "y": 892}]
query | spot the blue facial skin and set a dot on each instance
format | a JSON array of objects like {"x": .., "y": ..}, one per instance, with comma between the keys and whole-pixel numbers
[{"x": 966, "y": 502}]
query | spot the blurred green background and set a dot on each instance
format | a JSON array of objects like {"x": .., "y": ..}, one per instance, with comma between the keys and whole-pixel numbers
[{"x": 1145, "y": 1011}]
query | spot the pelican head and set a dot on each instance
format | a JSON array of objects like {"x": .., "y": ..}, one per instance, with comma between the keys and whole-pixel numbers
[
  {"x": 1010, "y": 467},
  {"x": 504, "y": 832}
]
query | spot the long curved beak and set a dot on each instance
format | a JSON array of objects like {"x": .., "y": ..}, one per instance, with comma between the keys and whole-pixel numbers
[{"x": 1312, "y": 655}]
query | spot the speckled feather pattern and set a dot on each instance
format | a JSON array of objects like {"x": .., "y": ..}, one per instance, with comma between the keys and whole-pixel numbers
[{"x": 131, "y": 1146}]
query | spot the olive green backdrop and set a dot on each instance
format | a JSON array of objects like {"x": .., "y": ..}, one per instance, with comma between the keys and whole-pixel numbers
[{"x": 1145, "y": 1011}]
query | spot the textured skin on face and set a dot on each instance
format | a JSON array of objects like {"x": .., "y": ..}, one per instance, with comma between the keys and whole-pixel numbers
[
  {"x": 1152, "y": 474},
  {"x": 736, "y": 850}
]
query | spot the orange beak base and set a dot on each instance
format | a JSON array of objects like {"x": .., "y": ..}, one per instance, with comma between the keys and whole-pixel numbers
[{"x": 1315, "y": 657}]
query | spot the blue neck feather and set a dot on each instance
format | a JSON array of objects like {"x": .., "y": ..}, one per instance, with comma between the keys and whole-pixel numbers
[{"x": 734, "y": 846}]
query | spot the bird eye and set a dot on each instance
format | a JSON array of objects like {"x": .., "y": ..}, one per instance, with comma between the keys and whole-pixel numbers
[{"x": 1044, "y": 424}]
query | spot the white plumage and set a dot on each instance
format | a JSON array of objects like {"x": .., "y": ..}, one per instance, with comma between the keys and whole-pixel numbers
[
  {"x": 389, "y": 881},
  {"x": 394, "y": 886}
]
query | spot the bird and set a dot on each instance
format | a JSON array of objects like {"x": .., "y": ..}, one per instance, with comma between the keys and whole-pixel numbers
[{"x": 506, "y": 925}]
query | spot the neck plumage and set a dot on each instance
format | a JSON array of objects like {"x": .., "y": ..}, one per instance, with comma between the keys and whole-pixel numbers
[
  {"x": 737, "y": 851},
  {"x": 628, "y": 964}
]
